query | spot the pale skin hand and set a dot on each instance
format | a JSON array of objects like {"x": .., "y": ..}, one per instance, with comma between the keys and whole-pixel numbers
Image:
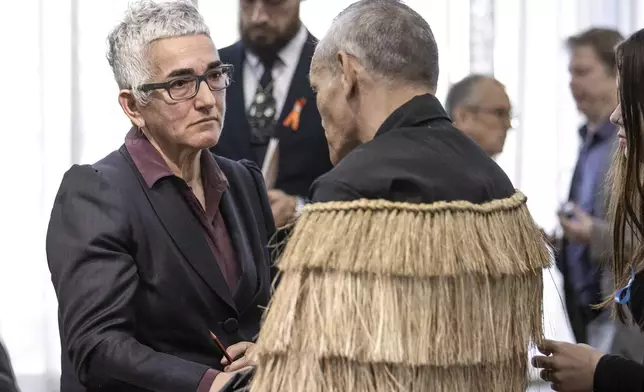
[
  {"x": 579, "y": 228},
  {"x": 247, "y": 349},
  {"x": 283, "y": 207}
]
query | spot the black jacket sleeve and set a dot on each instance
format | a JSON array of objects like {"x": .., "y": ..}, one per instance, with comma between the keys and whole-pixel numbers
[
  {"x": 618, "y": 374},
  {"x": 7, "y": 377},
  {"x": 268, "y": 227},
  {"x": 95, "y": 277}
]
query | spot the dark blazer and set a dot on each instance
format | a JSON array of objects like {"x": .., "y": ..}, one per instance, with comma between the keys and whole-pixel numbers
[
  {"x": 137, "y": 285},
  {"x": 7, "y": 378},
  {"x": 304, "y": 154}
]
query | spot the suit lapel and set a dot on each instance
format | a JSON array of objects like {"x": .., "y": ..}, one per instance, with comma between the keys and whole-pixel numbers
[
  {"x": 238, "y": 130},
  {"x": 299, "y": 87},
  {"x": 247, "y": 284},
  {"x": 185, "y": 230}
]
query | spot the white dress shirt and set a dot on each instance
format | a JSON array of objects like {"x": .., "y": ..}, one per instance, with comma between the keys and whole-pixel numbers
[{"x": 282, "y": 73}]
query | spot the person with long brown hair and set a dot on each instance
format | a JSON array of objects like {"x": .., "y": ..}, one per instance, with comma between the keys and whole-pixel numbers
[{"x": 578, "y": 367}]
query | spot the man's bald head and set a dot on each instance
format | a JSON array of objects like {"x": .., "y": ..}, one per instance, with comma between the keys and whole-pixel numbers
[{"x": 480, "y": 107}]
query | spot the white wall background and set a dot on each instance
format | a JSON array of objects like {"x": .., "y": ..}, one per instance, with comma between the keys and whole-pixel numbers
[{"x": 59, "y": 106}]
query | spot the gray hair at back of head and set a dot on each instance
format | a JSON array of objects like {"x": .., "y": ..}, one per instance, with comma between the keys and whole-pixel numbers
[
  {"x": 145, "y": 22},
  {"x": 388, "y": 38}
]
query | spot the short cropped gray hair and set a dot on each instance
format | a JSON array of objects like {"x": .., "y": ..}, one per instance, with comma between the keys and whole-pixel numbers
[
  {"x": 145, "y": 22},
  {"x": 387, "y": 37}
]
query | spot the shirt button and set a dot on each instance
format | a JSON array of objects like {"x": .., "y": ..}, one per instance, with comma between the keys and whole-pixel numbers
[{"x": 231, "y": 325}]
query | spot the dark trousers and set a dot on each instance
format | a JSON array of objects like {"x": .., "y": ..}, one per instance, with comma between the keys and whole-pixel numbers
[{"x": 580, "y": 316}]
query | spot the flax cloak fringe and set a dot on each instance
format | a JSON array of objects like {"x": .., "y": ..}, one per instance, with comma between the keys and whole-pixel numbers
[{"x": 383, "y": 296}]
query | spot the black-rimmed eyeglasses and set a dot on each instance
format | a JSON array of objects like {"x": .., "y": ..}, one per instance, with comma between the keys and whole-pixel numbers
[
  {"x": 186, "y": 87},
  {"x": 501, "y": 113}
]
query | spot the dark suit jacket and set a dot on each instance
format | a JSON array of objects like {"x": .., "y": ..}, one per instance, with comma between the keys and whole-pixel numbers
[
  {"x": 304, "y": 154},
  {"x": 137, "y": 285},
  {"x": 7, "y": 378}
]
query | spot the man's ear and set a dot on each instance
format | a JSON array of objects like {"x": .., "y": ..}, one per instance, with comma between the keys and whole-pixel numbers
[
  {"x": 349, "y": 72},
  {"x": 460, "y": 115},
  {"x": 131, "y": 108}
]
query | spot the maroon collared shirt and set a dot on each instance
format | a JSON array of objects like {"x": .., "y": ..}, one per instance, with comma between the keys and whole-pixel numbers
[{"x": 153, "y": 168}]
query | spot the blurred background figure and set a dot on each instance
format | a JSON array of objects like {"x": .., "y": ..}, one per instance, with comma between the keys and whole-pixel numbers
[
  {"x": 479, "y": 106},
  {"x": 586, "y": 244},
  {"x": 271, "y": 98}
]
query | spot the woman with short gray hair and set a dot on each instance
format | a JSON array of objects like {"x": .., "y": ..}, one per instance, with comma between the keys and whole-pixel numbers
[{"x": 158, "y": 252}]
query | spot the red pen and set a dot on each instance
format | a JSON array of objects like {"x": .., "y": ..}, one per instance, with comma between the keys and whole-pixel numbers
[{"x": 221, "y": 347}]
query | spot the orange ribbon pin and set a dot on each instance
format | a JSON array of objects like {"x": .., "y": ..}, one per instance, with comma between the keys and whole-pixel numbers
[{"x": 293, "y": 119}]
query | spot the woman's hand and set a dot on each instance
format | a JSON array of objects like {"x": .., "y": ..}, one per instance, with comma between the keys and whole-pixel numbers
[
  {"x": 242, "y": 355},
  {"x": 569, "y": 367}
]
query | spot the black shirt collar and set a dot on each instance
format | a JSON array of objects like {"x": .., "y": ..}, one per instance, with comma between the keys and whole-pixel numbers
[{"x": 417, "y": 111}]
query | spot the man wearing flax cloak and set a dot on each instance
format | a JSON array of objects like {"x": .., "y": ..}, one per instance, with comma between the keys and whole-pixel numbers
[{"x": 417, "y": 267}]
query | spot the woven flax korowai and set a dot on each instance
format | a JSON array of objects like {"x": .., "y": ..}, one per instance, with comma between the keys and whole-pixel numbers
[{"x": 383, "y": 296}]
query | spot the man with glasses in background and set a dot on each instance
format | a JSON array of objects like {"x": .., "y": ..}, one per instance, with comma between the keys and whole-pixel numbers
[{"x": 479, "y": 106}]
